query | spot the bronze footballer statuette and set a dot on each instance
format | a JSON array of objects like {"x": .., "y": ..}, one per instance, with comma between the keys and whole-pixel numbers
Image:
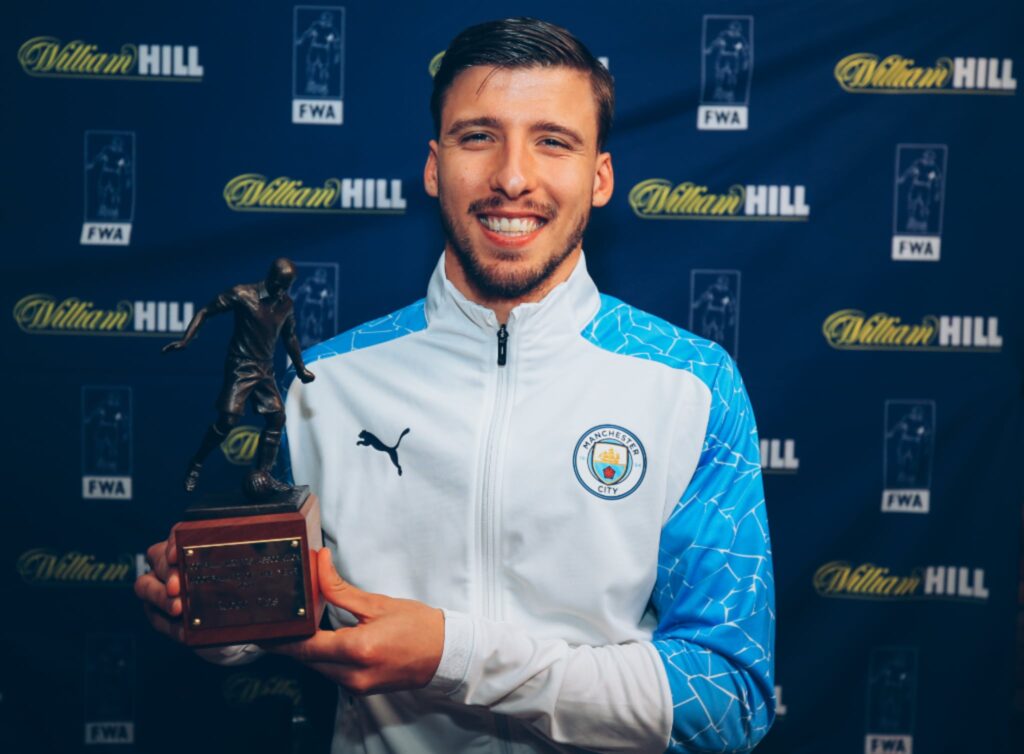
[{"x": 263, "y": 311}]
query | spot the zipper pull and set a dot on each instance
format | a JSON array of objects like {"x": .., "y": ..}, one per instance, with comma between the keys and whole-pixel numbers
[{"x": 502, "y": 345}]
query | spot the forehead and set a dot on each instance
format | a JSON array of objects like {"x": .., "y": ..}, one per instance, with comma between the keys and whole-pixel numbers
[{"x": 523, "y": 95}]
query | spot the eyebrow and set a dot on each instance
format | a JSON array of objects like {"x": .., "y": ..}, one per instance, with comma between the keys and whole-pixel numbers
[
  {"x": 489, "y": 122},
  {"x": 556, "y": 128},
  {"x": 482, "y": 122}
]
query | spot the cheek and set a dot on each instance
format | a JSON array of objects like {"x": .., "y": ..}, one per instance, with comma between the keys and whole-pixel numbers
[
  {"x": 572, "y": 190},
  {"x": 465, "y": 170}
]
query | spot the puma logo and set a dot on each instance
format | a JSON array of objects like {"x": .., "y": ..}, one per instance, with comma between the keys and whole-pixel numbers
[{"x": 370, "y": 439}]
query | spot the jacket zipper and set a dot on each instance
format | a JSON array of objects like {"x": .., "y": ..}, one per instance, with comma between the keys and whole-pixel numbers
[
  {"x": 490, "y": 603},
  {"x": 502, "y": 346},
  {"x": 488, "y": 537}
]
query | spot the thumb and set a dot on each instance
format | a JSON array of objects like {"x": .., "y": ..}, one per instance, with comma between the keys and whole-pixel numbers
[{"x": 339, "y": 592}]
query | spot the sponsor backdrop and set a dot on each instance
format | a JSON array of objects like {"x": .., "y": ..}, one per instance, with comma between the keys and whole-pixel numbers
[{"x": 830, "y": 190}]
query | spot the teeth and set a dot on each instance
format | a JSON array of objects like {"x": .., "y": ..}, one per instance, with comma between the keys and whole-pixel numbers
[{"x": 514, "y": 225}]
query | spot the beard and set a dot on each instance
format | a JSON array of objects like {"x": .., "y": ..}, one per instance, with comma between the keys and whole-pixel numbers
[{"x": 491, "y": 281}]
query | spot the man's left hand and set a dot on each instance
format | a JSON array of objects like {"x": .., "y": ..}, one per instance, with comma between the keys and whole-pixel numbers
[
  {"x": 397, "y": 644},
  {"x": 306, "y": 376}
]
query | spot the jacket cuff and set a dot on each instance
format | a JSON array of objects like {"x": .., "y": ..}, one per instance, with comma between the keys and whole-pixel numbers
[{"x": 459, "y": 636}]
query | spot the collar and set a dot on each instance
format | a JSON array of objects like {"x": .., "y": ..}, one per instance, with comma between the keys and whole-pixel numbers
[
  {"x": 538, "y": 326},
  {"x": 261, "y": 290}
]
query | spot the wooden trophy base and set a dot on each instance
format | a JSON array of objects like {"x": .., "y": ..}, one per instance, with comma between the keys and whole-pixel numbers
[{"x": 248, "y": 571}]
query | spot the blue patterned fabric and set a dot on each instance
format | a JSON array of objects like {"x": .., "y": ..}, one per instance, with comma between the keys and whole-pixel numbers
[
  {"x": 405, "y": 321},
  {"x": 714, "y": 593}
]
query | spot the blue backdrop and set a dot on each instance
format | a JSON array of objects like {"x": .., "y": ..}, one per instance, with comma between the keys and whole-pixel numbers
[{"x": 828, "y": 189}]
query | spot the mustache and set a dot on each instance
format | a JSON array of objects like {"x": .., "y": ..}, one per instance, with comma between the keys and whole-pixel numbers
[{"x": 480, "y": 206}]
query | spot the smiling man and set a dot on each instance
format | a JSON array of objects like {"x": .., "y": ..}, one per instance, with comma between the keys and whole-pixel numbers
[{"x": 546, "y": 504}]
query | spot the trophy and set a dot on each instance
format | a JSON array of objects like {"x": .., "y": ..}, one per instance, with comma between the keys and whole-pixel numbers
[{"x": 248, "y": 572}]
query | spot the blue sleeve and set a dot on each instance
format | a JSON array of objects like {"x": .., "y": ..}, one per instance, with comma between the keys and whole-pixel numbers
[{"x": 714, "y": 593}]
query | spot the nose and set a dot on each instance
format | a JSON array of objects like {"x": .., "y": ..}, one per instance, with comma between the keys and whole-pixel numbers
[{"x": 514, "y": 174}]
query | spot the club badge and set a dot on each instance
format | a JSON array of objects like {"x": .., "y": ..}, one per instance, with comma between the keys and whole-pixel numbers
[{"x": 609, "y": 461}]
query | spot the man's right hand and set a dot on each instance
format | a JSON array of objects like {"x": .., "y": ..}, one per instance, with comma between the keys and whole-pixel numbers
[{"x": 160, "y": 589}]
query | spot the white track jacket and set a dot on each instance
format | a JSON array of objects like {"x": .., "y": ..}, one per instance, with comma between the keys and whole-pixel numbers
[{"x": 581, "y": 493}]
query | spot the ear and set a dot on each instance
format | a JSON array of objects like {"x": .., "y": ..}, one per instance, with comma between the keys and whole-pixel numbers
[
  {"x": 604, "y": 180},
  {"x": 430, "y": 170}
]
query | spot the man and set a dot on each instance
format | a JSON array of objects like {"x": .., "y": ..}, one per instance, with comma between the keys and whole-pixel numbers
[
  {"x": 925, "y": 189},
  {"x": 113, "y": 178},
  {"x": 732, "y": 57},
  {"x": 262, "y": 311},
  {"x": 322, "y": 41},
  {"x": 581, "y": 485}
]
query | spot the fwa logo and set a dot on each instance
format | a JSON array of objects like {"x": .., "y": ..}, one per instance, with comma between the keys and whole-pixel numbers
[
  {"x": 316, "y": 302},
  {"x": 109, "y": 188},
  {"x": 892, "y": 700},
  {"x": 658, "y": 198},
  {"x": 920, "y": 189},
  {"x": 43, "y": 314},
  {"x": 854, "y": 330},
  {"x": 609, "y": 461},
  {"x": 318, "y": 64},
  {"x": 48, "y": 56},
  {"x": 252, "y": 192},
  {"x": 715, "y": 307},
  {"x": 778, "y": 456},
  {"x": 727, "y": 66},
  {"x": 106, "y": 443},
  {"x": 865, "y": 72},
  {"x": 907, "y": 461},
  {"x": 110, "y": 689}
]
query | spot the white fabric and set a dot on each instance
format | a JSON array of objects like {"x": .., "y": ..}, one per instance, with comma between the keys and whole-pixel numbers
[{"x": 544, "y": 584}]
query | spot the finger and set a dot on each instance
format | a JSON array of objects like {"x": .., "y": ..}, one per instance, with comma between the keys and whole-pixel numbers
[
  {"x": 156, "y": 556},
  {"x": 340, "y": 674},
  {"x": 153, "y": 592},
  {"x": 324, "y": 646},
  {"x": 170, "y": 628},
  {"x": 172, "y": 549},
  {"x": 339, "y": 592},
  {"x": 173, "y": 583}
]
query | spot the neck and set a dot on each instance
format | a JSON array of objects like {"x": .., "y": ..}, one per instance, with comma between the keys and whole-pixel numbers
[{"x": 501, "y": 307}]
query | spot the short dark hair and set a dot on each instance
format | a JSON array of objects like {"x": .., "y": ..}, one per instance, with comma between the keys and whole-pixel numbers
[{"x": 523, "y": 43}]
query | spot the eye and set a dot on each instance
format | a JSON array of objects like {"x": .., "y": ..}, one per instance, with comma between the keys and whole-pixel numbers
[
  {"x": 474, "y": 137},
  {"x": 551, "y": 141}
]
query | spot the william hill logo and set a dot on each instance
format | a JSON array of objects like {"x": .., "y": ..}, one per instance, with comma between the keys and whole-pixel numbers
[
  {"x": 48, "y": 56},
  {"x": 242, "y": 689},
  {"x": 865, "y": 72},
  {"x": 435, "y": 63},
  {"x": 658, "y": 198},
  {"x": 778, "y": 456},
  {"x": 239, "y": 447},
  {"x": 42, "y": 314},
  {"x": 45, "y": 567},
  {"x": 850, "y": 329},
  {"x": 252, "y": 192},
  {"x": 868, "y": 581}
]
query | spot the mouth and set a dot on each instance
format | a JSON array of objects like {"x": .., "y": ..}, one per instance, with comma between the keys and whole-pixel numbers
[{"x": 511, "y": 230}]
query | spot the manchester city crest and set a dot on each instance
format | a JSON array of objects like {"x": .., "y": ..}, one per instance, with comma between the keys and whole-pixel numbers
[{"x": 609, "y": 461}]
